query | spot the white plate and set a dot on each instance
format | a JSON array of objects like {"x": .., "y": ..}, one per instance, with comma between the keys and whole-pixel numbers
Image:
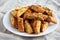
[{"x": 8, "y": 26}]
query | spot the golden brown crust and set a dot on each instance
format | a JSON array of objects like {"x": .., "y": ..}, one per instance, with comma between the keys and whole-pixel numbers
[
  {"x": 13, "y": 21},
  {"x": 20, "y": 24},
  {"x": 21, "y": 11},
  {"x": 48, "y": 11},
  {"x": 18, "y": 7},
  {"x": 37, "y": 8},
  {"x": 36, "y": 26},
  {"x": 39, "y": 16},
  {"x": 14, "y": 13},
  {"x": 28, "y": 27},
  {"x": 52, "y": 19},
  {"x": 44, "y": 26},
  {"x": 46, "y": 8},
  {"x": 26, "y": 13}
]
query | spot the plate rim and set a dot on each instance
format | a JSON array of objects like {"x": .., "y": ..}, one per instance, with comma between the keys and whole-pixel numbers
[{"x": 29, "y": 35}]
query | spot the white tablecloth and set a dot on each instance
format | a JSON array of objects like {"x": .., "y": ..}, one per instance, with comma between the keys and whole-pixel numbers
[{"x": 6, "y": 5}]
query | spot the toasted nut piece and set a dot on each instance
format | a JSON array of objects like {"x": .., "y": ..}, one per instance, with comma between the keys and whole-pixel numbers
[
  {"x": 37, "y": 8},
  {"x": 44, "y": 26},
  {"x": 36, "y": 26},
  {"x": 14, "y": 12},
  {"x": 13, "y": 21},
  {"x": 28, "y": 27},
  {"x": 20, "y": 24},
  {"x": 21, "y": 11},
  {"x": 52, "y": 19}
]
